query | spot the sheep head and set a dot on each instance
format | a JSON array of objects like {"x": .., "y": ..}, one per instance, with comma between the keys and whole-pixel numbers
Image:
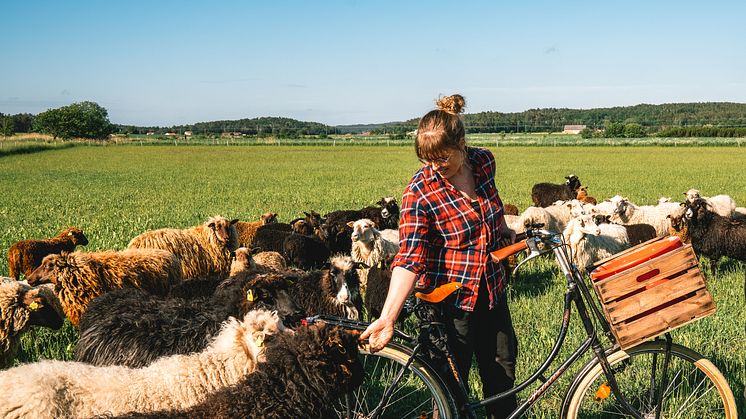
[
  {"x": 243, "y": 261},
  {"x": 692, "y": 195},
  {"x": 699, "y": 211},
  {"x": 313, "y": 219},
  {"x": 363, "y": 230},
  {"x": 224, "y": 231},
  {"x": 269, "y": 218},
  {"x": 586, "y": 225},
  {"x": 342, "y": 281},
  {"x": 270, "y": 292},
  {"x": 50, "y": 265},
  {"x": 44, "y": 307},
  {"x": 572, "y": 182},
  {"x": 76, "y": 235},
  {"x": 389, "y": 207}
]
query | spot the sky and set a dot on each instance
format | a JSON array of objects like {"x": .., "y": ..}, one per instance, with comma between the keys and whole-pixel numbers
[{"x": 165, "y": 63}]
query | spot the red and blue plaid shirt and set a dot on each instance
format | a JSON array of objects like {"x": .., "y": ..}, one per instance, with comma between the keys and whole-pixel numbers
[{"x": 444, "y": 238}]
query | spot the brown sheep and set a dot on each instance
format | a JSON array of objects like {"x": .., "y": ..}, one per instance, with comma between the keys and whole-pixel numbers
[
  {"x": 26, "y": 255},
  {"x": 80, "y": 277},
  {"x": 247, "y": 229},
  {"x": 583, "y": 196},
  {"x": 270, "y": 261},
  {"x": 21, "y": 307},
  {"x": 203, "y": 250},
  {"x": 510, "y": 209}
]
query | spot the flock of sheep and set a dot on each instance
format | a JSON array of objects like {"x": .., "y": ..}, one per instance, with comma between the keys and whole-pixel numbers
[
  {"x": 186, "y": 322},
  {"x": 184, "y": 319}
]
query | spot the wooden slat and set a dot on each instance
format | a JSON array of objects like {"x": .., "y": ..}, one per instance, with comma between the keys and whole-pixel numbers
[
  {"x": 624, "y": 283},
  {"x": 698, "y": 306},
  {"x": 668, "y": 290},
  {"x": 624, "y": 252}
]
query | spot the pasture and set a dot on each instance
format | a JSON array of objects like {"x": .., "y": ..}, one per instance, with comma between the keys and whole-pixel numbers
[{"x": 116, "y": 192}]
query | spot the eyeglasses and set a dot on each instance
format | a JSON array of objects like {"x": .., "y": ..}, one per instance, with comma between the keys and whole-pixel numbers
[{"x": 440, "y": 162}]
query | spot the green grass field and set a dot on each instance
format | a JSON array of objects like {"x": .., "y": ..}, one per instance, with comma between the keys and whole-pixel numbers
[{"x": 116, "y": 192}]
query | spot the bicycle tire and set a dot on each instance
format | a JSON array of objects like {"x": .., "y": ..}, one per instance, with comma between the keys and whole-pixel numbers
[
  {"x": 691, "y": 381},
  {"x": 421, "y": 392}
]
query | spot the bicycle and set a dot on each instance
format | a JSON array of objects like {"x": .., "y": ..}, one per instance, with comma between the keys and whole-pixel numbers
[{"x": 656, "y": 379}]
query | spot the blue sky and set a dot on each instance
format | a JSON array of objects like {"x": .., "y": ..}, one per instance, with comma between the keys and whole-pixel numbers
[{"x": 344, "y": 62}]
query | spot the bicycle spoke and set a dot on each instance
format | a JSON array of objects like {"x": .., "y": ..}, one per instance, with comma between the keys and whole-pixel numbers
[{"x": 416, "y": 408}]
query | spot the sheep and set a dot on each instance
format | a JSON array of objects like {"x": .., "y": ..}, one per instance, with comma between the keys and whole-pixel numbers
[
  {"x": 26, "y": 255},
  {"x": 636, "y": 233},
  {"x": 132, "y": 328},
  {"x": 554, "y": 217},
  {"x": 21, "y": 307},
  {"x": 679, "y": 226},
  {"x": 583, "y": 196},
  {"x": 626, "y": 212},
  {"x": 385, "y": 215},
  {"x": 334, "y": 291},
  {"x": 722, "y": 205},
  {"x": 544, "y": 194},
  {"x": 307, "y": 225},
  {"x": 714, "y": 235},
  {"x": 242, "y": 261},
  {"x": 379, "y": 280},
  {"x": 590, "y": 242},
  {"x": 247, "y": 229},
  {"x": 270, "y": 261},
  {"x": 370, "y": 248},
  {"x": 303, "y": 251},
  {"x": 304, "y": 377},
  {"x": 335, "y": 231},
  {"x": 57, "y": 389},
  {"x": 79, "y": 277},
  {"x": 203, "y": 250}
]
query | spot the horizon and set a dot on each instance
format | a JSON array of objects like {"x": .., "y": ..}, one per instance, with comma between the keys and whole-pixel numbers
[{"x": 351, "y": 63}]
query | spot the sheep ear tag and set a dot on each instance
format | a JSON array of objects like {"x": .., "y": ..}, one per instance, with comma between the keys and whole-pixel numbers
[
  {"x": 34, "y": 305},
  {"x": 250, "y": 297}
]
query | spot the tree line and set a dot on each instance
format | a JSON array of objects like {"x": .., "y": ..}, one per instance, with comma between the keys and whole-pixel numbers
[{"x": 712, "y": 119}]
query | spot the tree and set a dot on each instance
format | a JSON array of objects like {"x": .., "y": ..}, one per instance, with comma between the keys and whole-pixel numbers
[
  {"x": 586, "y": 133},
  {"x": 83, "y": 120},
  {"x": 6, "y": 125},
  {"x": 633, "y": 130},
  {"x": 614, "y": 130}
]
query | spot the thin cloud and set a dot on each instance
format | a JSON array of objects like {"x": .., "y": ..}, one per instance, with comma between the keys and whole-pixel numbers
[
  {"x": 294, "y": 86},
  {"x": 228, "y": 81},
  {"x": 551, "y": 50}
]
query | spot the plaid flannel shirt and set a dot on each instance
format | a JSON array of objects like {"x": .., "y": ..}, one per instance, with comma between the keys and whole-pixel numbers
[{"x": 442, "y": 236}]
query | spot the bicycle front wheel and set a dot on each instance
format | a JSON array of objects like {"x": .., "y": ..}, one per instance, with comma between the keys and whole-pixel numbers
[
  {"x": 694, "y": 387},
  {"x": 420, "y": 393}
]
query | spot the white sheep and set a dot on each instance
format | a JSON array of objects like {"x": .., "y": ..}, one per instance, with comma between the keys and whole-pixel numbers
[
  {"x": 370, "y": 248},
  {"x": 722, "y": 205},
  {"x": 58, "y": 389},
  {"x": 626, "y": 212},
  {"x": 590, "y": 242},
  {"x": 203, "y": 250},
  {"x": 554, "y": 217}
]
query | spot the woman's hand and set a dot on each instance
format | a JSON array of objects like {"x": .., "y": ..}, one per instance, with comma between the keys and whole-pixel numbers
[
  {"x": 507, "y": 236},
  {"x": 379, "y": 334}
]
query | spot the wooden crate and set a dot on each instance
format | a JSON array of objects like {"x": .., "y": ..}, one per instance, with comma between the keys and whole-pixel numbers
[{"x": 654, "y": 297}]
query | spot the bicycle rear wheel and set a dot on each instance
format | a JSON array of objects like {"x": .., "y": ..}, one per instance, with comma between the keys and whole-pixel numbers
[
  {"x": 420, "y": 393},
  {"x": 695, "y": 387}
]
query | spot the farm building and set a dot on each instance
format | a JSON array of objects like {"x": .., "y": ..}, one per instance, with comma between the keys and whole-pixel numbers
[{"x": 573, "y": 129}]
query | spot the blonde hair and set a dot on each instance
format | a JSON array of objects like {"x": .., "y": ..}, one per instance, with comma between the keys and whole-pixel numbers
[{"x": 441, "y": 130}]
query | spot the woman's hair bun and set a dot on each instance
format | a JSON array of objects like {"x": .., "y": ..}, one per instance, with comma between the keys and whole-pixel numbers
[{"x": 453, "y": 104}]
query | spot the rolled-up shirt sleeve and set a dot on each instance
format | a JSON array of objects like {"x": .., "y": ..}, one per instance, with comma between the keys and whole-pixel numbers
[{"x": 413, "y": 242}]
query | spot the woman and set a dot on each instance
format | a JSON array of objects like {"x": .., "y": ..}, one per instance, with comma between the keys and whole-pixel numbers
[{"x": 451, "y": 219}]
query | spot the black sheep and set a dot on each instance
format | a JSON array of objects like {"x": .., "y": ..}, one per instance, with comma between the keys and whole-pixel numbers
[
  {"x": 132, "y": 328},
  {"x": 713, "y": 235},
  {"x": 385, "y": 215},
  {"x": 334, "y": 291},
  {"x": 376, "y": 292},
  {"x": 545, "y": 194},
  {"x": 305, "y": 375},
  {"x": 305, "y": 252}
]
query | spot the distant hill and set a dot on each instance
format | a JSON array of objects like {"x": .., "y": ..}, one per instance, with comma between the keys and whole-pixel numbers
[{"x": 651, "y": 117}]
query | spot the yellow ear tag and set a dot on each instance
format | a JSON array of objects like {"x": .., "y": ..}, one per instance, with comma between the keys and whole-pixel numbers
[
  {"x": 259, "y": 341},
  {"x": 250, "y": 296},
  {"x": 34, "y": 305}
]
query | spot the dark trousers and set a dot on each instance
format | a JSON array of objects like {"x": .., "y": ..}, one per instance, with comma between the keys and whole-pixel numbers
[{"x": 488, "y": 335}]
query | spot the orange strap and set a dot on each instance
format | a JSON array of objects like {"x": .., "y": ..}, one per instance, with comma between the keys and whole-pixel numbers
[
  {"x": 503, "y": 252},
  {"x": 440, "y": 293}
]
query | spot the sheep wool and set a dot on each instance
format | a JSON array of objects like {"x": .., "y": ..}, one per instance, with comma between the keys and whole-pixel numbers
[
  {"x": 203, "y": 250},
  {"x": 58, "y": 389}
]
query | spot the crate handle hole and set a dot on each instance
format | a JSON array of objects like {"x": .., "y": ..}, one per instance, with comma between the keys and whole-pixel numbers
[{"x": 648, "y": 275}]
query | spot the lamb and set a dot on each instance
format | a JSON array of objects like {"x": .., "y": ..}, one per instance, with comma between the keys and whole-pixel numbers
[
  {"x": 334, "y": 291},
  {"x": 636, "y": 233},
  {"x": 247, "y": 229},
  {"x": 583, "y": 196},
  {"x": 132, "y": 328},
  {"x": 79, "y": 277},
  {"x": 203, "y": 250},
  {"x": 510, "y": 209},
  {"x": 714, "y": 235},
  {"x": 26, "y": 255},
  {"x": 722, "y": 205},
  {"x": 21, "y": 307},
  {"x": 544, "y": 194},
  {"x": 242, "y": 261},
  {"x": 554, "y": 217},
  {"x": 626, "y": 212},
  {"x": 336, "y": 232},
  {"x": 57, "y": 389},
  {"x": 590, "y": 242},
  {"x": 304, "y": 376},
  {"x": 370, "y": 248},
  {"x": 303, "y": 251}
]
